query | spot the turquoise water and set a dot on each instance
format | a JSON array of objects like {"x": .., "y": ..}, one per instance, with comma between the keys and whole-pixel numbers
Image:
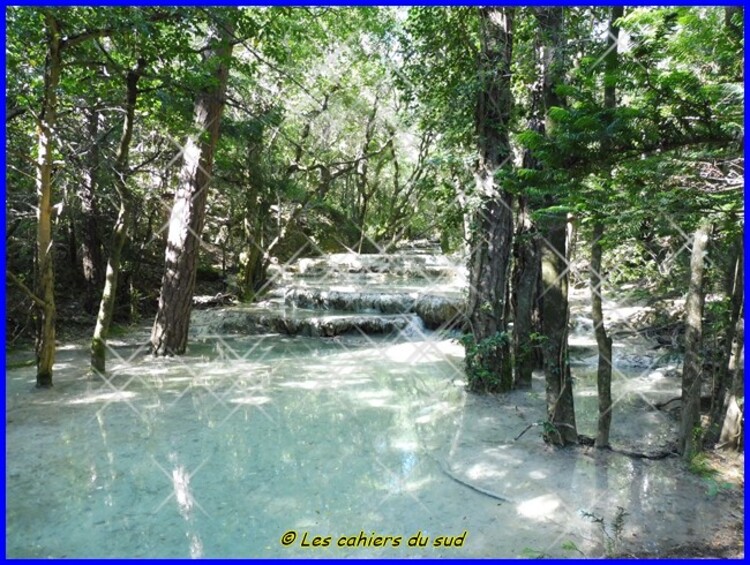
[{"x": 222, "y": 452}]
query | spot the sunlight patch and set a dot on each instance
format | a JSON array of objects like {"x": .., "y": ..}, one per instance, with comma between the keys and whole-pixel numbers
[{"x": 539, "y": 508}]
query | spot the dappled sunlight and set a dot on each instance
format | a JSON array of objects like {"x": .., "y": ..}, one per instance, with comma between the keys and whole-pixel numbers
[
  {"x": 106, "y": 397},
  {"x": 541, "y": 508},
  {"x": 537, "y": 475},
  {"x": 482, "y": 471},
  {"x": 418, "y": 352},
  {"x": 317, "y": 434},
  {"x": 181, "y": 485},
  {"x": 251, "y": 400}
]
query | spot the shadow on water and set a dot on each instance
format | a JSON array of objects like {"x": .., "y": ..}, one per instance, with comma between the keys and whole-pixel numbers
[
  {"x": 221, "y": 452},
  {"x": 224, "y": 451}
]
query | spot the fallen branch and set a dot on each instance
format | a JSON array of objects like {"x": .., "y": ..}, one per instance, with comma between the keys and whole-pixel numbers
[
  {"x": 20, "y": 284},
  {"x": 446, "y": 470},
  {"x": 526, "y": 429}
]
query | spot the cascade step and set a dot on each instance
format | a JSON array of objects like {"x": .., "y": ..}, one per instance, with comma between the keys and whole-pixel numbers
[
  {"x": 434, "y": 310},
  {"x": 414, "y": 265},
  {"x": 254, "y": 321}
]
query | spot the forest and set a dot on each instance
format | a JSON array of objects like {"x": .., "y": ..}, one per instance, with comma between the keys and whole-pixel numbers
[{"x": 413, "y": 263}]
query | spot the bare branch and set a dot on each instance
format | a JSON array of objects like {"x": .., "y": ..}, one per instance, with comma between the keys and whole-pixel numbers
[{"x": 20, "y": 284}]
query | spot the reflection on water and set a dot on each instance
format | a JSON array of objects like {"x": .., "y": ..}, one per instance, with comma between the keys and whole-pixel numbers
[{"x": 220, "y": 452}]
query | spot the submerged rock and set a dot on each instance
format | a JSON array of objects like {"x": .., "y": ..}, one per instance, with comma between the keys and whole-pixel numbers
[
  {"x": 350, "y": 292},
  {"x": 413, "y": 265},
  {"x": 440, "y": 311},
  {"x": 434, "y": 311},
  {"x": 396, "y": 303},
  {"x": 251, "y": 321}
]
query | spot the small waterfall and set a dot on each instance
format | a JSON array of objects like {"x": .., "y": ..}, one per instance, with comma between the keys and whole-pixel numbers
[{"x": 411, "y": 291}]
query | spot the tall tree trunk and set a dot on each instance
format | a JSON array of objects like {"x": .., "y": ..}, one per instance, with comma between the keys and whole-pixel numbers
[
  {"x": 45, "y": 282},
  {"x": 170, "y": 330},
  {"x": 488, "y": 361},
  {"x": 555, "y": 314},
  {"x": 120, "y": 230},
  {"x": 526, "y": 270},
  {"x": 553, "y": 297},
  {"x": 693, "y": 362},
  {"x": 722, "y": 385},
  {"x": 603, "y": 341},
  {"x": 732, "y": 428},
  {"x": 526, "y": 245},
  {"x": 526, "y": 250},
  {"x": 91, "y": 248}
]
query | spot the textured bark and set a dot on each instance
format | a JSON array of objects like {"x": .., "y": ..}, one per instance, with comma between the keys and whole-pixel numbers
[
  {"x": 170, "y": 330},
  {"x": 120, "y": 230},
  {"x": 488, "y": 360},
  {"x": 526, "y": 271},
  {"x": 553, "y": 296},
  {"x": 603, "y": 341},
  {"x": 555, "y": 314},
  {"x": 693, "y": 363},
  {"x": 91, "y": 247},
  {"x": 732, "y": 429},
  {"x": 45, "y": 283},
  {"x": 723, "y": 378}
]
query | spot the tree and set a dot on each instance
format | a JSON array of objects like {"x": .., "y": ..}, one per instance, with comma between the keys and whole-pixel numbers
[
  {"x": 488, "y": 361},
  {"x": 526, "y": 242},
  {"x": 120, "y": 230},
  {"x": 170, "y": 330},
  {"x": 45, "y": 285},
  {"x": 56, "y": 43},
  {"x": 690, "y": 434},
  {"x": 92, "y": 262},
  {"x": 603, "y": 341},
  {"x": 552, "y": 223},
  {"x": 733, "y": 424}
]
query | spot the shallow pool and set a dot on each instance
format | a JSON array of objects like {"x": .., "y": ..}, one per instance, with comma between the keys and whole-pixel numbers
[{"x": 271, "y": 446}]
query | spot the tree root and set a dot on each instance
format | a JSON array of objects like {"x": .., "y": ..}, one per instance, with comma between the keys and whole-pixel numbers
[
  {"x": 451, "y": 475},
  {"x": 654, "y": 456}
]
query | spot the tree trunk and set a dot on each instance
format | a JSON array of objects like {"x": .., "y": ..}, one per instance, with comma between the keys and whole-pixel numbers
[
  {"x": 554, "y": 313},
  {"x": 526, "y": 250},
  {"x": 553, "y": 296},
  {"x": 488, "y": 361},
  {"x": 170, "y": 330},
  {"x": 732, "y": 428},
  {"x": 91, "y": 248},
  {"x": 526, "y": 270},
  {"x": 690, "y": 440},
  {"x": 721, "y": 389},
  {"x": 603, "y": 341},
  {"x": 45, "y": 282},
  {"x": 120, "y": 230}
]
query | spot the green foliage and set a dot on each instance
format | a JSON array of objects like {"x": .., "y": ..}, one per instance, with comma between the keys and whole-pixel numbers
[
  {"x": 487, "y": 365},
  {"x": 446, "y": 39},
  {"x": 569, "y": 545},
  {"x": 700, "y": 465},
  {"x": 611, "y": 532},
  {"x": 302, "y": 87},
  {"x": 531, "y": 553}
]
